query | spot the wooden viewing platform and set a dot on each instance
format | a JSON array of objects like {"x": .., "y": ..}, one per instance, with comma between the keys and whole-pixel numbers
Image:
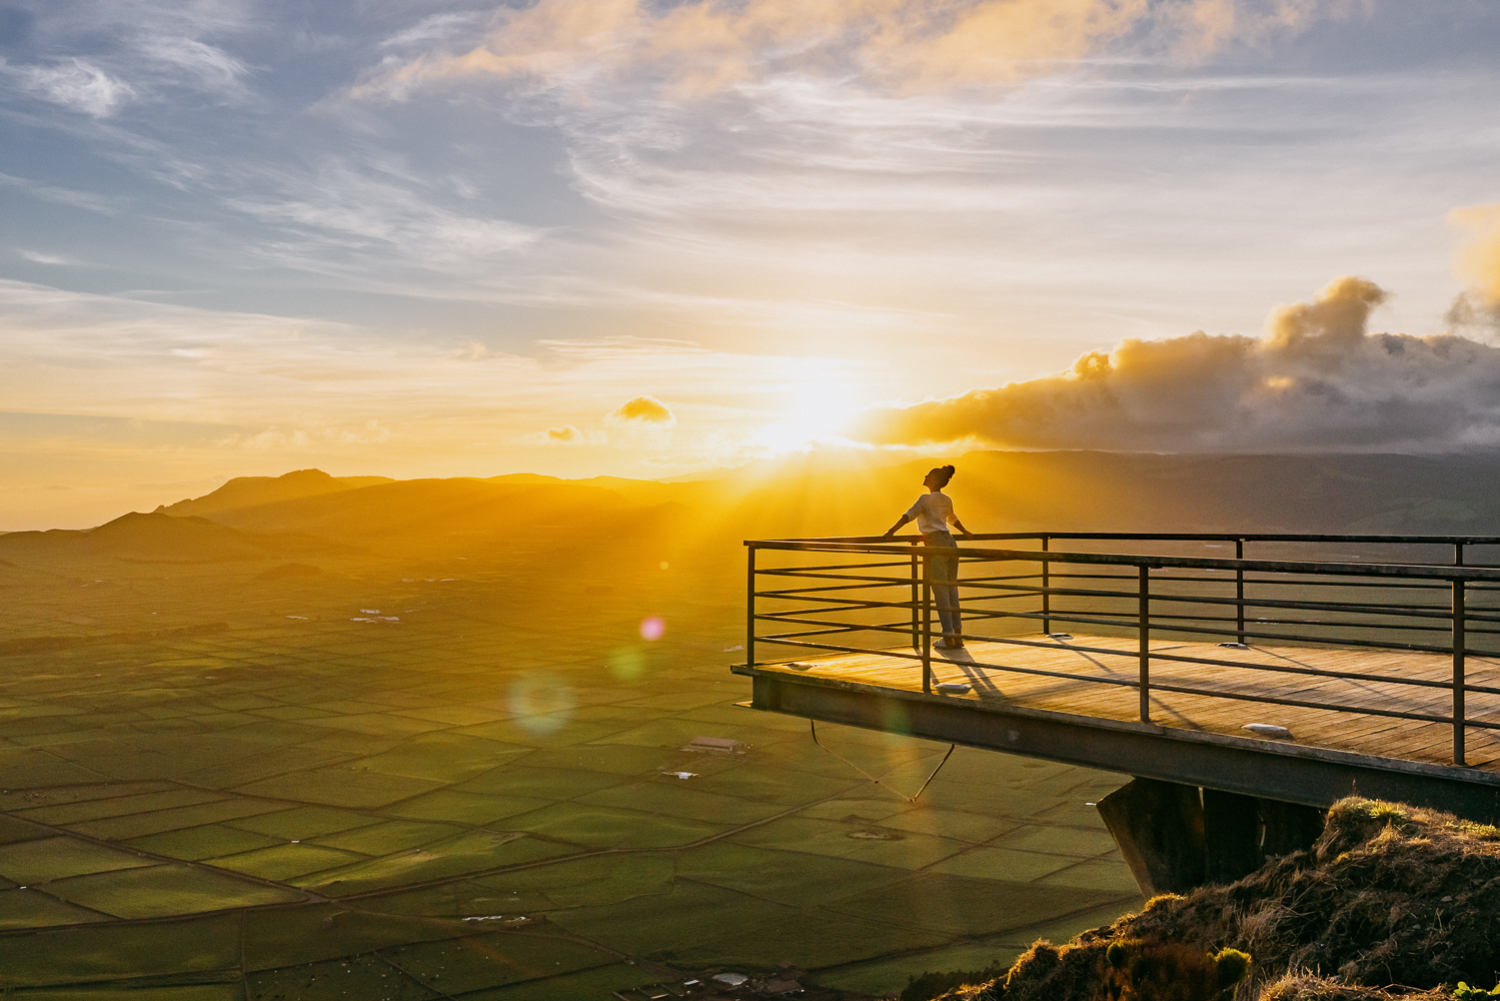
[{"x": 1376, "y": 654}]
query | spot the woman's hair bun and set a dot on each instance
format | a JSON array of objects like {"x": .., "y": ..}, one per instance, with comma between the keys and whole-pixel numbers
[{"x": 949, "y": 470}]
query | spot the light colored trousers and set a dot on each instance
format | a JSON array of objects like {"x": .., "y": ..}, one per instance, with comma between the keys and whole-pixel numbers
[{"x": 944, "y": 595}]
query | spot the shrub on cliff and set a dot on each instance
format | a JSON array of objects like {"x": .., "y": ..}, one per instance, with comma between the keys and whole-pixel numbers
[{"x": 1389, "y": 895}]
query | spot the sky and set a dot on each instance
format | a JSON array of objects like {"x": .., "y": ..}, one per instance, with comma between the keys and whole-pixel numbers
[{"x": 659, "y": 239}]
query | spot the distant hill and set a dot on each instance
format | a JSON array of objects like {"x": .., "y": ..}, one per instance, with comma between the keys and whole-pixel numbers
[
  {"x": 248, "y": 491},
  {"x": 450, "y": 516},
  {"x": 806, "y": 495},
  {"x": 1453, "y": 494},
  {"x": 1104, "y": 491},
  {"x": 155, "y": 538},
  {"x": 1376, "y": 494}
]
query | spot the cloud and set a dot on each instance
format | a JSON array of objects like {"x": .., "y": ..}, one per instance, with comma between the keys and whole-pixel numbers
[
  {"x": 1316, "y": 381},
  {"x": 76, "y": 84},
  {"x": 1334, "y": 322},
  {"x": 349, "y": 220},
  {"x": 93, "y": 55},
  {"x": 435, "y": 28},
  {"x": 64, "y": 196},
  {"x": 318, "y": 392},
  {"x": 1478, "y": 264},
  {"x": 38, "y": 257},
  {"x": 642, "y": 410},
  {"x": 214, "y": 68},
  {"x": 702, "y": 47}
]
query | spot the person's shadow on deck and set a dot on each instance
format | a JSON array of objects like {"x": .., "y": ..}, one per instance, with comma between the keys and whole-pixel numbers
[{"x": 974, "y": 674}]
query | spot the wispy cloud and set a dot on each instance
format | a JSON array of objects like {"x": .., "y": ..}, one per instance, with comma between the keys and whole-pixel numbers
[
  {"x": 211, "y": 67},
  {"x": 702, "y": 47},
  {"x": 342, "y": 218},
  {"x": 134, "y": 51},
  {"x": 37, "y": 257},
  {"x": 438, "y": 29},
  {"x": 111, "y": 357},
  {"x": 65, "y": 196},
  {"x": 75, "y": 83}
]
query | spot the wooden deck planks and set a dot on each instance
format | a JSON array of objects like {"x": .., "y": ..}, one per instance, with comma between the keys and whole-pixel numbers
[{"x": 1350, "y": 727}]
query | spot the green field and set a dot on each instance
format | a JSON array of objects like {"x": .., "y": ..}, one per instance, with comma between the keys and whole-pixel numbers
[{"x": 231, "y": 780}]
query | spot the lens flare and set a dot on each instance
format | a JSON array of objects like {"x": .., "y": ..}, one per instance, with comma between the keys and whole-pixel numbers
[
  {"x": 653, "y": 628},
  {"x": 627, "y": 664},
  {"x": 541, "y": 703}
]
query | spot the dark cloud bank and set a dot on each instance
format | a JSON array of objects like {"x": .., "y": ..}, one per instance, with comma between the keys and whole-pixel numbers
[{"x": 1316, "y": 381}]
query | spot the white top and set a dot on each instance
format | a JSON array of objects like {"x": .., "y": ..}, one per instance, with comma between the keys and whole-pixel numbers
[{"x": 933, "y": 512}]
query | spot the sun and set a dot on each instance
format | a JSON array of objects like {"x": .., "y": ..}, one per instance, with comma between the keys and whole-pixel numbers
[{"x": 813, "y": 410}]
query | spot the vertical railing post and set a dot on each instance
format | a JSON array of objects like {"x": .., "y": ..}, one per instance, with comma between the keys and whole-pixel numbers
[
  {"x": 926, "y": 624},
  {"x": 916, "y": 615},
  {"x": 1458, "y": 672},
  {"x": 1239, "y": 593},
  {"x": 1143, "y": 625},
  {"x": 750, "y": 607},
  {"x": 1046, "y": 586}
]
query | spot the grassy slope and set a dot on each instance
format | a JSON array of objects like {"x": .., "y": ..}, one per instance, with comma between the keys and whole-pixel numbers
[{"x": 1389, "y": 895}]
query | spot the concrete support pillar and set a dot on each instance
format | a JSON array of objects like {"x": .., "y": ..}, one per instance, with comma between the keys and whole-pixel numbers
[
  {"x": 1159, "y": 828},
  {"x": 1175, "y": 838},
  {"x": 1289, "y": 827},
  {"x": 1231, "y": 835}
]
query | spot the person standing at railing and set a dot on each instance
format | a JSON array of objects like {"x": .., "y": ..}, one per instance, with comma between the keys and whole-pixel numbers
[{"x": 933, "y": 513}]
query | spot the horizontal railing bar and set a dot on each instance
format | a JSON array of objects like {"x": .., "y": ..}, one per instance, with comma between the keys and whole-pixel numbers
[
  {"x": 791, "y": 613},
  {"x": 787, "y": 591},
  {"x": 1167, "y": 617},
  {"x": 1413, "y": 647},
  {"x": 1423, "y": 611},
  {"x": 823, "y": 567},
  {"x": 775, "y": 637},
  {"x": 1408, "y": 570},
  {"x": 825, "y": 570},
  {"x": 1278, "y": 581},
  {"x": 1419, "y": 611},
  {"x": 1436, "y": 540},
  {"x": 1372, "y": 621}
]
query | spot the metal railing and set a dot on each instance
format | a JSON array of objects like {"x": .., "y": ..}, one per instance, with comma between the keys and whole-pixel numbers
[{"x": 1423, "y": 594}]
